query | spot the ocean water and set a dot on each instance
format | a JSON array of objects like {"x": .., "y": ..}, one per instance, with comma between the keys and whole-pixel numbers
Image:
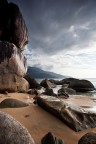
[{"x": 89, "y": 94}]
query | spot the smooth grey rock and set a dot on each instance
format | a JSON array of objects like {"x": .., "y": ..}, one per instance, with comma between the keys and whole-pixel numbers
[
  {"x": 12, "y": 132},
  {"x": 12, "y": 103}
]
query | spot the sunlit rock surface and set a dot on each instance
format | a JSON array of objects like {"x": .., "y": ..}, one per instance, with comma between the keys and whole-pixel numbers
[
  {"x": 13, "y": 83},
  {"x": 75, "y": 117},
  {"x": 11, "y": 60}
]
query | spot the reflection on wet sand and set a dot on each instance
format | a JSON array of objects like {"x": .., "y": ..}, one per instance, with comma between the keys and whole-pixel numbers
[{"x": 88, "y": 104}]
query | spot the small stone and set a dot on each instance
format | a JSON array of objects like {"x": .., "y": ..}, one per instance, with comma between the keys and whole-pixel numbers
[{"x": 49, "y": 138}]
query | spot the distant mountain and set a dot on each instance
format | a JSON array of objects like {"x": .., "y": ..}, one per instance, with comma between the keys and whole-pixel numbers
[{"x": 39, "y": 73}]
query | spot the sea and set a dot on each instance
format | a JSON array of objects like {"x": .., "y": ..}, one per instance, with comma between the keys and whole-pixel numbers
[{"x": 88, "y": 94}]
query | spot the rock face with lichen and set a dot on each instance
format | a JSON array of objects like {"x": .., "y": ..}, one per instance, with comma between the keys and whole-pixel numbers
[{"x": 13, "y": 38}]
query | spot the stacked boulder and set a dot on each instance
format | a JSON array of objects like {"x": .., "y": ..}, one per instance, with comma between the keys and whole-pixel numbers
[{"x": 13, "y": 38}]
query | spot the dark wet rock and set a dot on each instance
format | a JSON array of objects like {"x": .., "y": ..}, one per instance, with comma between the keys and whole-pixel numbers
[
  {"x": 67, "y": 91},
  {"x": 56, "y": 82},
  {"x": 49, "y": 138},
  {"x": 12, "y": 132},
  {"x": 12, "y": 103},
  {"x": 74, "y": 116},
  {"x": 13, "y": 83},
  {"x": 78, "y": 85},
  {"x": 63, "y": 95},
  {"x": 12, "y": 25},
  {"x": 49, "y": 91},
  {"x": 89, "y": 138},
  {"x": 32, "y": 82},
  {"x": 33, "y": 91},
  {"x": 47, "y": 84},
  {"x": 5, "y": 92}
]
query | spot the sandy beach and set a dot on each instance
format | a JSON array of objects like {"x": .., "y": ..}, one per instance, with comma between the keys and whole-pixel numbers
[{"x": 39, "y": 122}]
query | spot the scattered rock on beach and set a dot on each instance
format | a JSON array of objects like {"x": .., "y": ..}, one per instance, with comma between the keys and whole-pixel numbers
[
  {"x": 79, "y": 85},
  {"x": 67, "y": 91},
  {"x": 89, "y": 138},
  {"x": 47, "y": 84},
  {"x": 12, "y": 132},
  {"x": 12, "y": 103},
  {"x": 49, "y": 91},
  {"x": 33, "y": 91},
  {"x": 49, "y": 138}
]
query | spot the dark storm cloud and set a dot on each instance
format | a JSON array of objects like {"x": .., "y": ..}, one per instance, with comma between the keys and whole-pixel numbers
[{"x": 56, "y": 25}]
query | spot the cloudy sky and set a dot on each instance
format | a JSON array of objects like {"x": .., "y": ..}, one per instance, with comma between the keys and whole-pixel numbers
[{"x": 62, "y": 35}]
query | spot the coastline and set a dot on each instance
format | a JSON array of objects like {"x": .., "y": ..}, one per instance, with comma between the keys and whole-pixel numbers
[{"x": 39, "y": 122}]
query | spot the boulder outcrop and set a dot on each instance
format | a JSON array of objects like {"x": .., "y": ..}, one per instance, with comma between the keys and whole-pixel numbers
[
  {"x": 12, "y": 132},
  {"x": 12, "y": 25},
  {"x": 74, "y": 116},
  {"x": 13, "y": 38}
]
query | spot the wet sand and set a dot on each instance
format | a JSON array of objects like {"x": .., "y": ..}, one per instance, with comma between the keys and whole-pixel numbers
[{"x": 39, "y": 122}]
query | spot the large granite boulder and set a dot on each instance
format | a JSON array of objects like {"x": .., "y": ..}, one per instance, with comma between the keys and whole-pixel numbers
[
  {"x": 12, "y": 25},
  {"x": 89, "y": 138},
  {"x": 13, "y": 83},
  {"x": 11, "y": 60},
  {"x": 49, "y": 138},
  {"x": 74, "y": 116},
  {"x": 47, "y": 84},
  {"x": 78, "y": 85},
  {"x": 13, "y": 38},
  {"x": 12, "y": 132}
]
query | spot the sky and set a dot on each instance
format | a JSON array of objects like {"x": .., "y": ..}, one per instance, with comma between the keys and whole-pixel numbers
[{"x": 62, "y": 35}]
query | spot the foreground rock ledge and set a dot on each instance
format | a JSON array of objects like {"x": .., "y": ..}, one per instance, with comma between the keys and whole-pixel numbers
[{"x": 75, "y": 117}]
